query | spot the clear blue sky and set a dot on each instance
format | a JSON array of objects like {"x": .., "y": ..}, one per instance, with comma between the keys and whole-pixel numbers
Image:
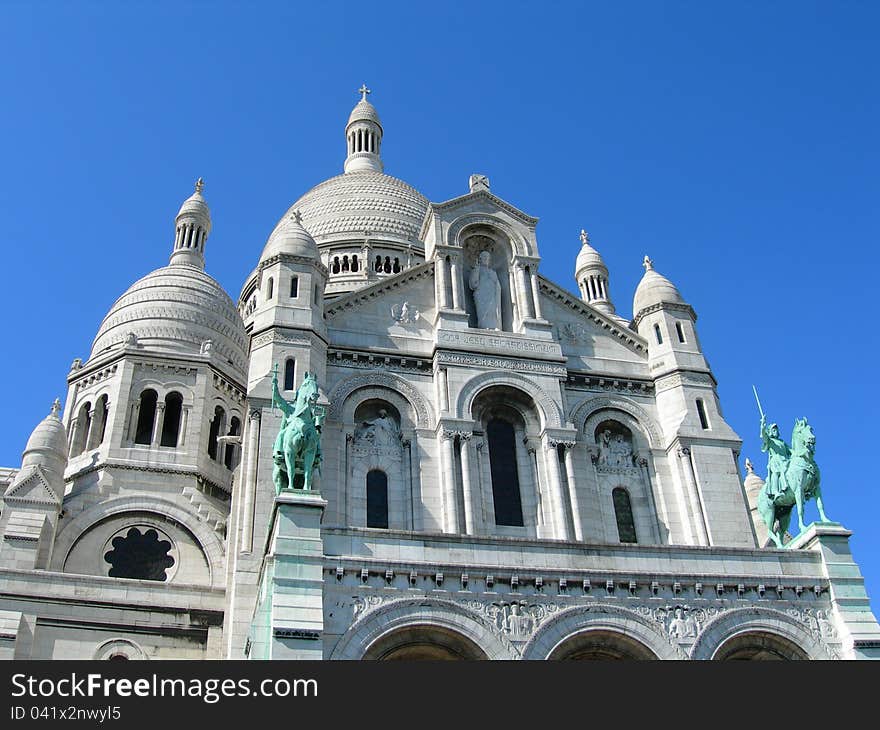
[{"x": 735, "y": 143}]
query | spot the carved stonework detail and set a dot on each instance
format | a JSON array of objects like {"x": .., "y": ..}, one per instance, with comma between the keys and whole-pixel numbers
[
  {"x": 377, "y": 379},
  {"x": 496, "y": 363},
  {"x": 404, "y": 313}
]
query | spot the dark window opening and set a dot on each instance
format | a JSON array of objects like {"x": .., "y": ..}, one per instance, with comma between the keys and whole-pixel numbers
[
  {"x": 214, "y": 432},
  {"x": 377, "y": 499},
  {"x": 657, "y": 333},
  {"x": 294, "y": 287},
  {"x": 138, "y": 555},
  {"x": 230, "y": 458},
  {"x": 146, "y": 417},
  {"x": 680, "y": 332},
  {"x": 171, "y": 424},
  {"x": 354, "y": 263},
  {"x": 701, "y": 412},
  {"x": 289, "y": 373},
  {"x": 505, "y": 478},
  {"x": 626, "y": 526}
]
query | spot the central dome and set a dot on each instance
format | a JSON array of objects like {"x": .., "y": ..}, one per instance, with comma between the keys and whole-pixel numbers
[{"x": 345, "y": 206}]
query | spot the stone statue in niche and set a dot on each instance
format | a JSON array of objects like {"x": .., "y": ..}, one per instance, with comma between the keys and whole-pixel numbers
[
  {"x": 381, "y": 432},
  {"x": 487, "y": 293}
]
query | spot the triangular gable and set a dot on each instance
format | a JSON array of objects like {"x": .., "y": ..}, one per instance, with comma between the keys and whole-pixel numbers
[
  {"x": 31, "y": 487},
  {"x": 597, "y": 322},
  {"x": 381, "y": 291},
  {"x": 468, "y": 200}
]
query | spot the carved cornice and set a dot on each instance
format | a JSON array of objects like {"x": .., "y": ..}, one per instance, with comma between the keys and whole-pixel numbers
[
  {"x": 377, "y": 360},
  {"x": 181, "y": 471},
  {"x": 276, "y": 334},
  {"x": 614, "y": 383},
  {"x": 684, "y": 377}
]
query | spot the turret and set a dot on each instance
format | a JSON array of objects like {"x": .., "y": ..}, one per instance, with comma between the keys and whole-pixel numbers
[
  {"x": 363, "y": 135},
  {"x": 591, "y": 275},
  {"x": 192, "y": 226}
]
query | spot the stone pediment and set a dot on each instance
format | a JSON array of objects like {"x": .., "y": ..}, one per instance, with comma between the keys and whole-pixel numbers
[
  {"x": 388, "y": 291},
  {"x": 31, "y": 487},
  {"x": 481, "y": 200},
  {"x": 587, "y": 321}
]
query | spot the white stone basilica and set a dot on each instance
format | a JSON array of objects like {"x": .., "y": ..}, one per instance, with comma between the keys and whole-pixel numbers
[{"x": 510, "y": 470}]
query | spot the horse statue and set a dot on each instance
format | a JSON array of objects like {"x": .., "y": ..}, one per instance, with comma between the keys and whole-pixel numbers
[
  {"x": 297, "y": 450},
  {"x": 792, "y": 478}
]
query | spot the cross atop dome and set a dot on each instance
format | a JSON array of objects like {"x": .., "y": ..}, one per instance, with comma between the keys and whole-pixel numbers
[
  {"x": 297, "y": 216},
  {"x": 200, "y": 184},
  {"x": 363, "y": 134},
  {"x": 648, "y": 264},
  {"x": 363, "y": 91},
  {"x": 56, "y": 407},
  {"x": 585, "y": 237}
]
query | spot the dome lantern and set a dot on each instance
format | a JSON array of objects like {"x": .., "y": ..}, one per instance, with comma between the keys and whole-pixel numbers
[
  {"x": 192, "y": 226},
  {"x": 591, "y": 275},
  {"x": 363, "y": 135}
]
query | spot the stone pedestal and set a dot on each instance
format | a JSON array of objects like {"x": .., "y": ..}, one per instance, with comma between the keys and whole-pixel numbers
[
  {"x": 289, "y": 618},
  {"x": 857, "y": 624}
]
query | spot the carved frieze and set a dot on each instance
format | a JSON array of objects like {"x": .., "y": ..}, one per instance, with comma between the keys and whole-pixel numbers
[{"x": 496, "y": 363}]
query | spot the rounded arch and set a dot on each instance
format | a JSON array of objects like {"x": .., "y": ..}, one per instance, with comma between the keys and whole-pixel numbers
[
  {"x": 119, "y": 649},
  {"x": 640, "y": 421},
  {"x": 388, "y": 384},
  {"x": 458, "y": 228},
  {"x": 551, "y": 413},
  {"x": 767, "y": 623},
  {"x": 208, "y": 540},
  {"x": 571, "y": 629},
  {"x": 416, "y": 616}
]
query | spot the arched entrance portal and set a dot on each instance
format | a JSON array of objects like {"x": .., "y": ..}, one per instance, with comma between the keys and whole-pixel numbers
[
  {"x": 423, "y": 643},
  {"x": 758, "y": 646},
  {"x": 601, "y": 645}
]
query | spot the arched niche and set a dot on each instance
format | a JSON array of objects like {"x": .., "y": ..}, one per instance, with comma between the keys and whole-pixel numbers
[
  {"x": 600, "y": 644},
  {"x": 759, "y": 646},
  {"x": 424, "y": 642},
  {"x": 475, "y": 240}
]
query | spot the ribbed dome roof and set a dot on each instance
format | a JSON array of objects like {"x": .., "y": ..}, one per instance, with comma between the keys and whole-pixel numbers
[
  {"x": 347, "y": 205},
  {"x": 588, "y": 257},
  {"x": 364, "y": 111},
  {"x": 175, "y": 309},
  {"x": 289, "y": 237},
  {"x": 195, "y": 204},
  {"x": 48, "y": 436},
  {"x": 653, "y": 289}
]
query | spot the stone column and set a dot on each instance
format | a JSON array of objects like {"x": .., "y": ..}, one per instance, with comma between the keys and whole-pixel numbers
[
  {"x": 695, "y": 507},
  {"x": 572, "y": 490},
  {"x": 407, "y": 484},
  {"x": 250, "y": 481},
  {"x": 442, "y": 282},
  {"x": 484, "y": 481},
  {"x": 447, "y": 482},
  {"x": 133, "y": 421},
  {"x": 470, "y": 521},
  {"x": 344, "y": 481},
  {"x": 442, "y": 390},
  {"x": 93, "y": 430},
  {"x": 184, "y": 418},
  {"x": 514, "y": 299},
  {"x": 160, "y": 421},
  {"x": 533, "y": 275},
  {"x": 457, "y": 292},
  {"x": 557, "y": 494},
  {"x": 532, "y": 455},
  {"x": 646, "y": 478},
  {"x": 75, "y": 427},
  {"x": 523, "y": 289}
]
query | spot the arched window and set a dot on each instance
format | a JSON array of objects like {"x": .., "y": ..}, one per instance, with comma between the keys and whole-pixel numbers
[
  {"x": 270, "y": 288},
  {"x": 626, "y": 526},
  {"x": 680, "y": 331},
  {"x": 396, "y": 266},
  {"x": 231, "y": 456},
  {"x": 102, "y": 412},
  {"x": 377, "y": 499},
  {"x": 701, "y": 412},
  {"x": 505, "y": 478},
  {"x": 354, "y": 263},
  {"x": 387, "y": 266},
  {"x": 335, "y": 267},
  {"x": 217, "y": 424},
  {"x": 289, "y": 373},
  {"x": 146, "y": 417},
  {"x": 345, "y": 263},
  {"x": 378, "y": 264},
  {"x": 81, "y": 435},
  {"x": 140, "y": 555},
  {"x": 657, "y": 334},
  {"x": 294, "y": 287},
  {"x": 171, "y": 422}
]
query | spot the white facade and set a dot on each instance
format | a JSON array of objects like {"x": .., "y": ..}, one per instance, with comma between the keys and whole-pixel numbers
[{"x": 562, "y": 486}]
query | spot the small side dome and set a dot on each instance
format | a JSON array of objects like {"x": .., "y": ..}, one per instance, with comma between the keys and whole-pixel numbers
[
  {"x": 48, "y": 442},
  {"x": 654, "y": 289},
  {"x": 292, "y": 239},
  {"x": 752, "y": 483}
]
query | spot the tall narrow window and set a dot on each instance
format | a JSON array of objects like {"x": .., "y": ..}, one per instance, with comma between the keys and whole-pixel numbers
[
  {"x": 289, "y": 373},
  {"x": 505, "y": 479},
  {"x": 216, "y": 427},
  {"x": 103, "y": 412},
  {"x": 270, "y": 288},
  {"x": 680, "y": 331},
  {"x": 84, "y": 423},
  {"x": 231, "y": 456},
  {"x": 146, "y": 417},
  {"x": 701, "y": 412},
  {"x": 657, "y": 334},
  {"x": 626, "y": 526},
  {"x": 171, "y": 422},
  {"x": 294, "y": 287},
  {"x": 354, "y": 263},
  {"x": 377, "y": 499}
]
